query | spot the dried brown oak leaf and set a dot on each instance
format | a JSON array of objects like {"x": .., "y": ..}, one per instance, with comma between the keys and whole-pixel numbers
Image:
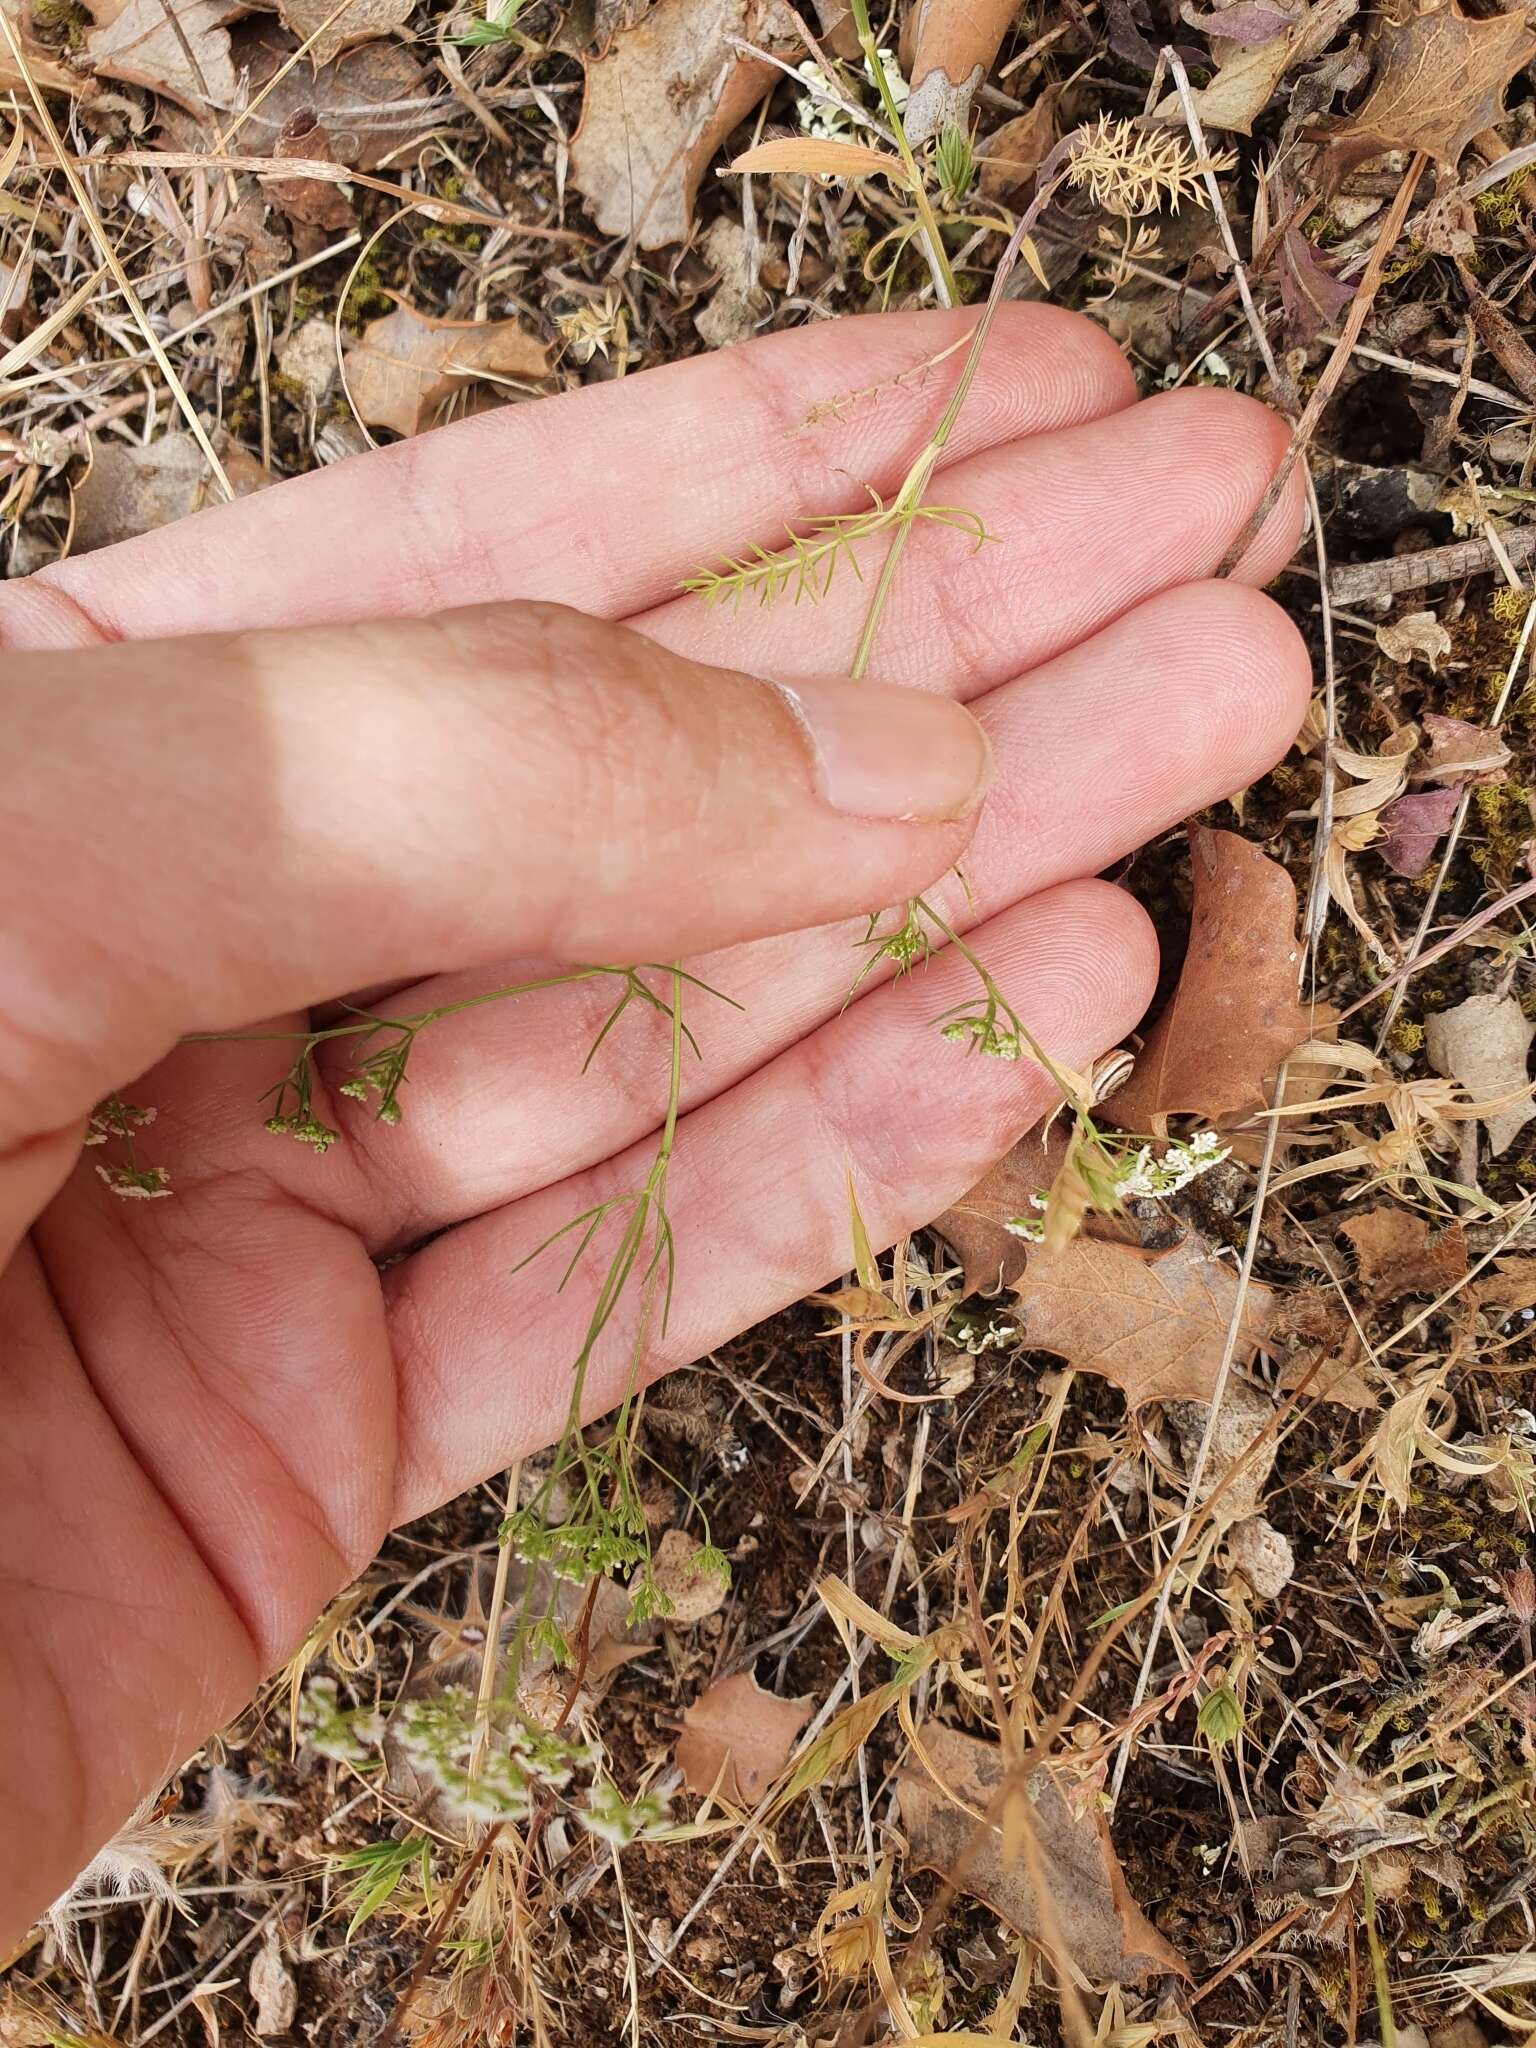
[
  {"x": 1395, "y": 1253},
  {"x": 660, "y": 101},
  {"x": 1439, "y": 79},
  {"x": 183, "y": 54},
  {"x": 1099, "y": 1925},
  {"x": 362, "y": 21},
  {"x": 990, "y": 1253},
  {"x": 405, "y": 366},
  {"x": 737, "y": 1738},
  {"x": 1234, "y": 1015},
  {"x": 1156, "y": 1325},
  {"x": 1249, "y": 74}
]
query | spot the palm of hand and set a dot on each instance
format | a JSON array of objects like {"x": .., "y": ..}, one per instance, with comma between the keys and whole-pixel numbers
[{"x": 219, "y": 1403}]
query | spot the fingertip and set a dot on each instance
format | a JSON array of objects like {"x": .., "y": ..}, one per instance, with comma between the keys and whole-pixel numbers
[{"x": 1090, "y": 373}]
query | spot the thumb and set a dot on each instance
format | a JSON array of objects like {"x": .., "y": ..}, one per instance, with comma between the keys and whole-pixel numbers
[{"x": 203, "y": 832}]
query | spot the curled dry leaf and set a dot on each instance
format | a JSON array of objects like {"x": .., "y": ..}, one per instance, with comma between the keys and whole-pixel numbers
[
  {"x": 660, "y": 101},
  {"x": 1234, "y": 1015},
  {"x": 309, "y": 202},
  {"x": 1312, "y": 295},
  {"x": 736, "y": 1738},
  {"x": 1420, "y": 634},
  {"x": 1249, "y": 74},
  {"x": 273, "y": 1991},
  {"x": 405, "y": 366},
  {"x": 1483, "y": 1043},
  {"x": 1104, "y": 1932},
  {"x": 1412, "y": 827},
  {"x": 1439, "y": 79},
  {"x": 45, "y": 69},
  {"x": 1460, "y": 753},
  {"x": 1016, "y": 151},
  {"x": 1155, "y": 1325},
  {"x": 1396, "y": 1254},
  {"x": 953, "y": 44},
  {"x": 183, "y": 55},
  {"x": 360, "y": 21}
]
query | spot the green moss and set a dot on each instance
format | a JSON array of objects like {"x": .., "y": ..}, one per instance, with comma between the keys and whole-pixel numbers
[
  {"x": 1406, "y": 1035},
  {"x": 1504, "y": 814},
  {"x": 1502, "y": 207}
]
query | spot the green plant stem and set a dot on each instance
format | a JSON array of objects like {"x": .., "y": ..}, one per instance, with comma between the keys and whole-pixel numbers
[{"x": 944, "y": 276}]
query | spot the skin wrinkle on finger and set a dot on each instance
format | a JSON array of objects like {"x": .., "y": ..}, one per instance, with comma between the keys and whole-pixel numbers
[
  {"x": 924, "y": 1117},
  {"x": 519, "y": 495},
  {"x": 1168, "y": 709}
]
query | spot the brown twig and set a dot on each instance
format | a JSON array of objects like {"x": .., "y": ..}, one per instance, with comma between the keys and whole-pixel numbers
[{"x": 1359, "y": 581}]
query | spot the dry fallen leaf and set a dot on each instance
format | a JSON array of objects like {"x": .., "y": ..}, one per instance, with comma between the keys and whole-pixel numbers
[
  {"x": 659, "y": 102},
  {"x": 362, "y": 21},
  {"x": 990, "y": 1254},
  {"x": 1017, "y": 149},
  {"x": 1509, "y": 1287},
  {"x": 368, "y": 100},
  {"x": 1439, "y": 79},
  {"x": 1250, "y": 73},
  {"x": 1154, "y": 1325},
  {"x": 1483, "y": 1044},
  {"x": 1100, "y": 1926},
  {"x": 1412, "y": 827},
  {"x": 405, "y": 366},
  {"x": 816, "y": 157},
  {"x": 1234, "y": 1015},
  {"x": 1421, "y": 634},
  {"x": 132, "y": 489},
  {"x": 185, "y": 55},
  {"x": 953, "y": 44},
  {"x": 273, "y": 1992},
  {"x": 1396, "y": 1254},
  {"x": 1462, "y": 753},
  {"x": 310, "y": 202},
  {"x": 738, "y": 1738}
]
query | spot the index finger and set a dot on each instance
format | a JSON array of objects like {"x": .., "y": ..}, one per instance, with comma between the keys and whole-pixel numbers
[{"x": 601, "y": 498}]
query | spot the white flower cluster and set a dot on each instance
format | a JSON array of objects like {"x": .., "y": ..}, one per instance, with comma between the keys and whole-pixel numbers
[{"x": 1140, "y": 1175}]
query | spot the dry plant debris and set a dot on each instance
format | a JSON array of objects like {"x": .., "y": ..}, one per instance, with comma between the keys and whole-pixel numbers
[
  {"x": 736, "y": 1738},
  {"x": 1234, "y": 1015},
  {"x": 405, "y": 369},
  {"x": 1154, "y": 1324},
  {"x": 1082, "y": 1906},
  {"x": 1483, "y": 1043},
  {"x": 660, "y": 101},
  {"x": 1439, "y": 78}
]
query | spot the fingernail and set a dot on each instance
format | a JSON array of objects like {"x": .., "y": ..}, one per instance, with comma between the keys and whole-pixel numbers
[{"x": 880, "y": 751}]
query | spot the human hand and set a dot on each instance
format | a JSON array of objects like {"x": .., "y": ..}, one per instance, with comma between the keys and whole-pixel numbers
[{"x": 215, "y": 1404}]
